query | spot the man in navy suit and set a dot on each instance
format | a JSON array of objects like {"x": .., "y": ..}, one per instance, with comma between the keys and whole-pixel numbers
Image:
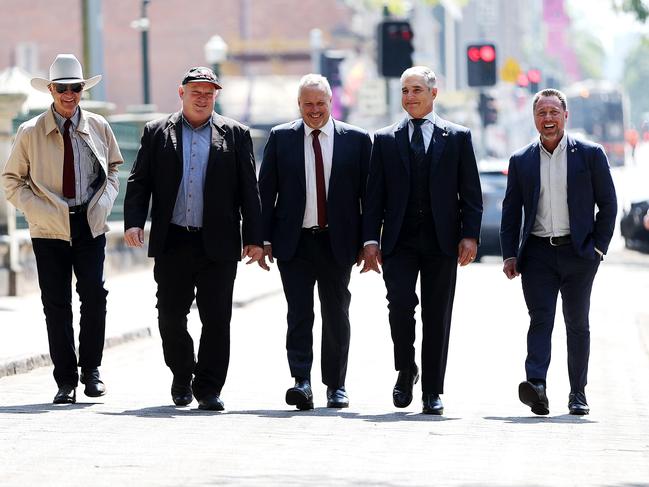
[
  {"x": 312, "y": 184},
  {"x": 424, "y": 192},
  {"x": 554, "y": 186}
]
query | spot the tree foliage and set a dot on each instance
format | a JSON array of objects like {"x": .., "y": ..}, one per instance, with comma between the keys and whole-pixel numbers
[
  {"x": 639, "y": 8},
  {"x": 636, "y": 74}
]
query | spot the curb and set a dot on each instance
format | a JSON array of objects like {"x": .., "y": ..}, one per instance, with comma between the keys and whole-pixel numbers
[{"x": 29, "y": 363}]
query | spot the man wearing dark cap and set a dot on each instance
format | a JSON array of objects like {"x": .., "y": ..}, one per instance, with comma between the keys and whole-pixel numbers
[{"x": 198, "y": 169}]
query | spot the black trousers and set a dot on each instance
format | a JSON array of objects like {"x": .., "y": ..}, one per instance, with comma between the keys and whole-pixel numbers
[
  {"x": 546, "y": 272},
  {"x": 55, "y": 262},
  {"x": 183, "y": 273},
  {"x": 314, "y": 263},
  {"x": 417, "y": 255}
]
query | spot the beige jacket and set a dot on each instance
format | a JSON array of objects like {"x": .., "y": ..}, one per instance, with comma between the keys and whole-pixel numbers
[{"x": 33, "y": 176}]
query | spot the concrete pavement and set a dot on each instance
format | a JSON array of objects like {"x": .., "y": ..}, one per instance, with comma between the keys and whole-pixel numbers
[{"x": 133, "y": 436}]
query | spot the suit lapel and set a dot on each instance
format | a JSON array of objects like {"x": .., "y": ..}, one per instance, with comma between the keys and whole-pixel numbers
[
  {"x": 573, "y": 158},
  {"x": 403, "y": 143},
  {"x": 218, "y": 141},
  {"x": 337, "y": 154},
  {"x": 438, "y": 143},
  {"x": 176, "y": 135},
  {"x": 298, "y": 144},
  {"x": 534, "y": 164}
]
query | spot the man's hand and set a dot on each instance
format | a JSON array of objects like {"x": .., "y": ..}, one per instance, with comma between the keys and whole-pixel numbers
[
  {"x": 134, "y": 237},
  {"x": 371, "y": 258},
  {"x": 267, "y": 252},
  {"x": 645, "y": 221},
  {"x": 466, "y": 251},
  {"x": 509, "y": 268},
  {"x": 254, "y": 252}
]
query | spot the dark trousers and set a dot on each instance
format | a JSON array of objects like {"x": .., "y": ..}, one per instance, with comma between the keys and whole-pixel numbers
[
  {"x": 314, "y": 263},
  {"x": 183, "y": 273},
  {"x": 55, "y": 262},
  {"x": 547, "y": 271},
  {"x": 416, "y": 255}
]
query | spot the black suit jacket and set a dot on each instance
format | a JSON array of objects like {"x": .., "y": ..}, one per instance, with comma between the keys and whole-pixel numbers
[
  {"x": 455, "y": 194},
  {"x": 589, "y": 185},
  {"x": 230, "y": 193},
  {"x": 282, "y": 185}
]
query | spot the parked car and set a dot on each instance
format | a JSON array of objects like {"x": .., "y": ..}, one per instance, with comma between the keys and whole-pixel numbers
[
  {"x": 493, "y": 178},
  {"x": 634, "y": 227}
]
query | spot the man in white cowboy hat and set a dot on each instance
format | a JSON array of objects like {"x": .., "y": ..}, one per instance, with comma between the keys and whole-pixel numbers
[{"x": 62, "y": 174}]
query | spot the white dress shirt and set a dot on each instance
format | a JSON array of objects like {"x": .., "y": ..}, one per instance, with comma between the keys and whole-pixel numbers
[
  {"x": 326, "y": 138},
  {"x": 552, "y": 218}
]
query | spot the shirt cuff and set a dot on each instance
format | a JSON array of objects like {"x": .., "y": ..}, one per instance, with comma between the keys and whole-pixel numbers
[
  {"x": 370, "y": 242},
  {"x": 508, "y": 258},
  {"x": 266, "y": 242},
  {"x": 601, "y": 254}
]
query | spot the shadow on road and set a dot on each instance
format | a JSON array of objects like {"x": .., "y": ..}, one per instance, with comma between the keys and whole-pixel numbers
[
  {"x": 327, "y": 412},
  {"x": 43, "y": 408},
  {"x": 562, "y": 419}
]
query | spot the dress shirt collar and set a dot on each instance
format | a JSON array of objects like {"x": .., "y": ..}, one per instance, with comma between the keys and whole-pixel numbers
[
  {"x": 327, "y": 128},
  {"x": 430, "y": 117},
  {"x": 561, "y": 147},
  {"x": 60, "y": 119}
]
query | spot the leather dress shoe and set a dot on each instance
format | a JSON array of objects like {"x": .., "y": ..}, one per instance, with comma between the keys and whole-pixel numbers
[
  {"x": 577, "y": 403},
  {"x": 211, "y": 402},
  {"x": 402, "y": 392},
  {"x": 300, "y": 395},
  {"x": 94, "y": 386},
  {"x": 66, "y": 395},
  {"x": 432, "y": 404},
  {"x": 181, "y": 394},
  {"x": 337, "y": 398},
  {"x": 534, "y": 396}
]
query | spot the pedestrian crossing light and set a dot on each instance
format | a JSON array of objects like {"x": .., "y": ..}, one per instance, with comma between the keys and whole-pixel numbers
[
  {"x": 394, "y": 47},
  {"x": 481, "y": 64}
]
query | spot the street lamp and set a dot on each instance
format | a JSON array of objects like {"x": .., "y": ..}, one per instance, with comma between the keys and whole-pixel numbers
[
  {"x": 142, "y": 24},
  {"x": 216, "y": 52}
]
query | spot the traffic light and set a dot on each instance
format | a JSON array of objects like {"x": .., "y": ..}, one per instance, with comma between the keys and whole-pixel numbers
[
  {"x": 395, "y": 47},
  {"x": 488, "y": 109},
  {"x": 481, "y": 64},
  {"x": 330, "y": 61},
  {"x": 534, "y": 77}
]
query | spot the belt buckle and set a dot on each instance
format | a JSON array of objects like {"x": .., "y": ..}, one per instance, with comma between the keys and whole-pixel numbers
[
  {"x": 552, "y": 242},
  {"x": 192, "y": 229}
]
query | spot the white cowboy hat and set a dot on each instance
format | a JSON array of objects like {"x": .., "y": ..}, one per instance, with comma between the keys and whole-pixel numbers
[{"x": 66, "y": 69}]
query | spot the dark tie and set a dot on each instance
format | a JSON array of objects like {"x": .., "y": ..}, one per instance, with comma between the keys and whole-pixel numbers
[
  {"x": 417, "y": 140},
  {"x": 320, "y": 181},
  {"x": 68, "y": 162}
]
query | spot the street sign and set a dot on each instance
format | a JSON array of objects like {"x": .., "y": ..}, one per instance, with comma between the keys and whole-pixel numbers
[{"x": 510, "y": 70}]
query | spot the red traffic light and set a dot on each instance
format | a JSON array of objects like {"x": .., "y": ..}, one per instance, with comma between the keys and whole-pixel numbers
[
  {"x": 486, "y": 53},
  {"x": 474, "y": 54},
  {"x": 534, "y": 75}
]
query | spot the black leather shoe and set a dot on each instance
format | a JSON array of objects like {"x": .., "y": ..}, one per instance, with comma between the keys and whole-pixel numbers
[
  {"x": 534, "y": 396},
  {"x": 432, "y": 404},
  {"x": 66, "y": 395},
  {"x": 94, "y": 386},
  {"x": 577, "y": 403},
  {"x": 211, "y": 402},
  {"x": 337, "y": 398},
  {"x": 181, "y": 394},
  {"x": 300, "y": 395},
  {"x": 402, "y": 392}
]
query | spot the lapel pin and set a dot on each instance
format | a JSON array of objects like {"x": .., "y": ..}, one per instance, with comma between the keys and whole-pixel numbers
[{"x": 444, "y": 134}]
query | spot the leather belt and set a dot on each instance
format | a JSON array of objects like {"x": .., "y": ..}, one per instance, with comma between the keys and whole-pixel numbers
[
  {"x": 76, "y": 210},
  {"x": 315, "y": 230},
  {"x": 186, "y": 228},
  {"x": 555, "y": 241}
]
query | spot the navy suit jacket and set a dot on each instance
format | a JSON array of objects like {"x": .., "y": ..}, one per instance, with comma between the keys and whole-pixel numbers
[
  {"x": 455, "y": 194},
  {"x": 230, "y": 195},
  {"x": 589, "y": 185},
  {"x": 282, "y": 184}
]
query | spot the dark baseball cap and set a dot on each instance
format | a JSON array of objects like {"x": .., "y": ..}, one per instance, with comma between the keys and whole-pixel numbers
[{"x": 201, "y": 74}]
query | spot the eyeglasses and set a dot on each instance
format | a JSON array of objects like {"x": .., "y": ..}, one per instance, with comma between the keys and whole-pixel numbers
[{"x": 61, "y": 88}]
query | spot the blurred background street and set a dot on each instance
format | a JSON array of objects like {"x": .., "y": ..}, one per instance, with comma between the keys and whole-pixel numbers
[{"x": 490, "y": 57}]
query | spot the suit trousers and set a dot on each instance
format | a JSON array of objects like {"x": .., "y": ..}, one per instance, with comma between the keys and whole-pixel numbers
[
  {"x": 417, "y": 255},
  {"x": 183, "y": 273},
  {"x": 313, "y": 263},
  {"x": 55, "y": 262},
  {"x": 546, "y": 272}
]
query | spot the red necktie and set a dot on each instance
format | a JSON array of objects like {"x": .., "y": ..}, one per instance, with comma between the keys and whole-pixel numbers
[
  {"x": 68, "y": 162},
  {"x": 320, "y": 181}
]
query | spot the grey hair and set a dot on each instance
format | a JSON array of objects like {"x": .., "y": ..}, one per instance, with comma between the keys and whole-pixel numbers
[
  {"x": 316, "y": 80},
  {"x": 550, "y": 92},
  {"x": 428, "y": 74}
]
